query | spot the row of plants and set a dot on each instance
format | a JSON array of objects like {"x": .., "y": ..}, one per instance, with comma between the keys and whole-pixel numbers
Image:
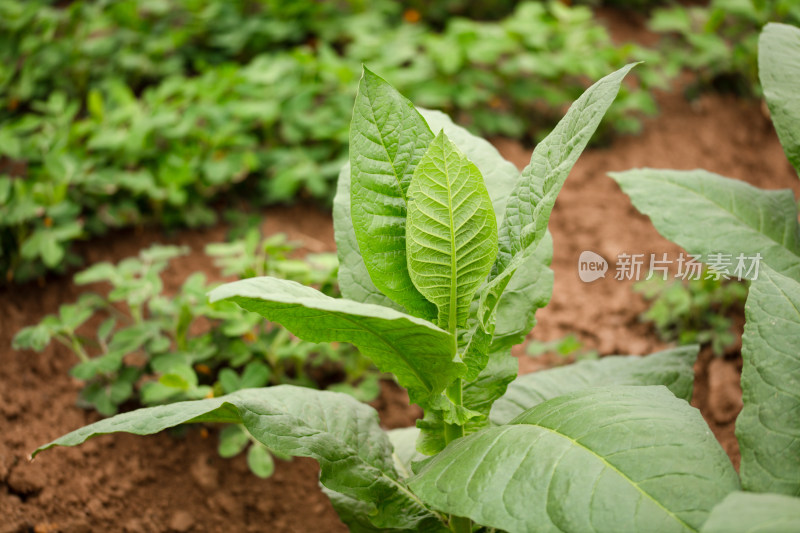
[
  {"x": 149, "y": 347},
  {"x": 444, "y": 254},
  {"x": 115, "y": 114}
]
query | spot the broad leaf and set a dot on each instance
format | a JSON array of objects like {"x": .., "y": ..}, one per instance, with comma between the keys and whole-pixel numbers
[
  {"x": 779, "y": 72},
  {"x": 768, "y": 427},
  {"x": 499, "y": 177},
  {"x": 672, "y": 368},
  {"x": 451, "y": 231},
  {"x": 388, "y": 137},
  {"x": 608, "y": 459},
  {"x": 341, "y": 433},
  {"x": 532, "y": 200},
  {"x": 745, "y": 512},
  {"x": 415, "y": 351},
  {"x": 709, "y": 214}
]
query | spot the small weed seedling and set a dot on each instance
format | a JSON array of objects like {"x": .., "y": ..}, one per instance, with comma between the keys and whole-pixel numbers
[
  {"x": 695, "y": 311},
  {"x": 443, "y": 261},
  {"x": 153, "y": 349}
]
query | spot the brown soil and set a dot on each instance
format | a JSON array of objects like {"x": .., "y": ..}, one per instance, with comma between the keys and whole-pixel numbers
[{"x": 165, "y": 483}]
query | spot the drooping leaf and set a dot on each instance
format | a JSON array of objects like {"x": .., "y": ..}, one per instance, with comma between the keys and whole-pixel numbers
[
  {"x": 415, "y": 351},
  {"x": 710, "y": 214},
  {"x": 607, "y": 459},
  {"x": 532, "y": 200},
  {"x": 388, "y": 138},
  {"x": 341, "y": 433},
  {"x": 451, "y": 231},
  {"x": 779, "y": 73},
  {"x": 671, "y": 368},
  {"x": 499, "y": 177},
  {"x": 746, "y": 512},
  {"x": 768, "y": 428}
]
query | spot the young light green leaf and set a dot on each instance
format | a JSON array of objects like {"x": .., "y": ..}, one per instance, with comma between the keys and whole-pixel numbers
[
  {"x": 451, "y": 231},
  {"x": 260, "y": 461},
  {"x": 607, "y": 459},
  {"x": 710, "y": 214},
  {"x": 672, "y": 368},
  {"x": 499, "y": 176},
  {"x": 415, "y": 351},
  {"x": 530, "y": 204},
  {"x": 341, "y": 433},
  {"x": 746, "y": 512},
  {"x": 779, "y": 72},
  {"x": 768, "y": 427},
  {"x": 388, "y": 138}
]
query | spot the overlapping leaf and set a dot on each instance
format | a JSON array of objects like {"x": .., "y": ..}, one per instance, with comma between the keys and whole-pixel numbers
[
  {"x": 768, "y": 427},
  {"x": 607, "y": 459},
  {"x": 451, "y": 232},
  {"x": 354, "y": 454},
  {"x": 779, "y": 73},
  {"x": 415, "y": 351},
  {"x": 671, "y": 368},
  {"x": 499, "y": 177},
  {"x": 387, "y": 140},
  {"x": 746, "y": 512},
  {"x": 710, "y": 214}
]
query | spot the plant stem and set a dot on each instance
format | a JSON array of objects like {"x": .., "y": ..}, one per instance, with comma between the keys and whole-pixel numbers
[
  {"x": 459, "y": 524},
  {"x": 454, "y": 431}
]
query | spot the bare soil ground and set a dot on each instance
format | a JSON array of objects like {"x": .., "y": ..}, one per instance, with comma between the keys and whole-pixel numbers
[{"x": 165, "y": 483}]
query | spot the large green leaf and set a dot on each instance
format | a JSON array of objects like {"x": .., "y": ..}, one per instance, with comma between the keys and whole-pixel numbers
[
  {"x": 451, "y": 231},
  {"x": 779, "y": 72},
  {"x": 388, "y": 138},
  {"x": 768, "y": 427},
  {"x": 532, "y": 200},
  {"x": 499, "y": 177},
  {"x": 745, "y": 512},
  {"x": 354, "y": 454},
  {"x": 607, "y": 459},
  {"x": 708, "y": 214},
  {"x": 672, "y": 368},
  {"x": 415, "y": 351}
]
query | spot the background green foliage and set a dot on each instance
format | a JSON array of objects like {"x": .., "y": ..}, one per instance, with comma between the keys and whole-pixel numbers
[
  {"x": 719, "y": 41},
  {"x": 122, "y": 113}
]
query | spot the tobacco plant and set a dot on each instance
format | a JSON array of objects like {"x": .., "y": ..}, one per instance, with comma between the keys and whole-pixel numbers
[
  {"x": 443, "y": 251},
  {"x": 710, "y": 215}
]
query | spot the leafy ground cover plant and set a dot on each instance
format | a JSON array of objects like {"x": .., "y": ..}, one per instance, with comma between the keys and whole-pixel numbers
[
  {"x": 710, "y": 214},
  {"x": 443, "y": 262},
  {"x": 719, "y": 41},
  {"x": 154, "y": 348},
  {"x": 694, "y": 311},
  {"x": 125, "y": 113}
]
